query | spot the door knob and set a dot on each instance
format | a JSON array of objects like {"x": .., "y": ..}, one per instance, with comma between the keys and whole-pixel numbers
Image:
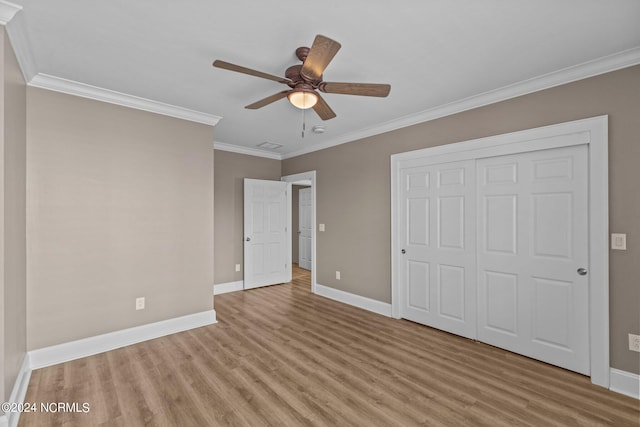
[
  {"x": 403, "y": 251},
  {"x": 248, "y": 239},
  {"x": 582, "y": 271}
]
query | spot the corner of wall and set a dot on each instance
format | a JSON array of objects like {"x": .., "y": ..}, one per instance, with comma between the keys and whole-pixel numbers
[{"x": 12, "y": 223}]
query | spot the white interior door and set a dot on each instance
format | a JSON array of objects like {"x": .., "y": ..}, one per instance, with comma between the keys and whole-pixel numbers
[
  {"x": 305, "y": 231},
  {"x": 267, "y": 238},
  {"x": 532, "y": 240},
  {"x": 437, "y": 226}
]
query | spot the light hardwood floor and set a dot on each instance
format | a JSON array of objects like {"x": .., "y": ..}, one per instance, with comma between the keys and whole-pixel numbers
[{"x": 281, "y": 356}]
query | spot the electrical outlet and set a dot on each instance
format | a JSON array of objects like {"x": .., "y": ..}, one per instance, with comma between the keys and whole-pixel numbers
[
  {"x": 337, "y": 275},
  {"x": 237, "y": 267},
  {"x": 634, "y": 342},
  {"x": 140, "y": 303}
]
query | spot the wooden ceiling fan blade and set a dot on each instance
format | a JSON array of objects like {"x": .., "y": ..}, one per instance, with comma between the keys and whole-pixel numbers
[
  {"x": 268, "y": 100},
  {"x": 233, "y": 67},
  {"x": 321, "y": 53},
  {"x": 323, "y": 110},
  {"x": 362, "y": 89}
]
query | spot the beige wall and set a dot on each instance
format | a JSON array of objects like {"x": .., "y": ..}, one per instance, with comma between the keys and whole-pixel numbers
[
  {"x": 353, "y": 188},
  {"x": 119, "y": 206},
  {"x": 230, "y": 170},
  {"x": 13, "y": 320}
]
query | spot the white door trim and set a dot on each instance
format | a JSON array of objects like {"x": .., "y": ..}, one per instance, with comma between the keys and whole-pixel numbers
[
  {"x": 309, "y": 176},
  {"x": 591, "y": 131}
]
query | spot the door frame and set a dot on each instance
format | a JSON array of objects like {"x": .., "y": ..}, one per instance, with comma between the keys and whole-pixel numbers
[
  {"x": 309, "y": 178},
  {"x": 593, "y": 132}
]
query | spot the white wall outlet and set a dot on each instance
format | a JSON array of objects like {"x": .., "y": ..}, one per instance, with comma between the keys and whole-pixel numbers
[
  {"x": 237, "y": 267},
  {"x": 634, "y": 342},
  {"x": 321, "y": 227},
  {"x": 337, "y": 275},
  {"x": 140, "y": 303},
  {"x": 619, "y": 241}
]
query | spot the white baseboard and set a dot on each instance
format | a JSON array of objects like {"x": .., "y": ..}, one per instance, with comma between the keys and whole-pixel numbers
[
  {"x": 223, "y": 288},
  {"x": 353, "y": 299},
  {"x": 624, "y": 383},
  {"x": 93, "y": 345},
  {"x": 18, "y": 393}
]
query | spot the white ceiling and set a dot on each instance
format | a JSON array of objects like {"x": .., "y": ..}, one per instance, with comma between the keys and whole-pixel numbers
[{"x": 440, "y": 56}]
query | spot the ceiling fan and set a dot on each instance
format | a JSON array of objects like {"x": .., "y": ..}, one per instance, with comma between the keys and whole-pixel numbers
[{"x": 305, "y": 80}]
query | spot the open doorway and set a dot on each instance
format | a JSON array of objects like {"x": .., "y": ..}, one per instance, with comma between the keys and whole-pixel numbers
[{"x": 303, "y": 238}]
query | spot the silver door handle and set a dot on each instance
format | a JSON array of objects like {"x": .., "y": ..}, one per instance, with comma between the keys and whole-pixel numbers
[
  {"x": 582, "y": 271},
  {"x": 248, "y": 239}
]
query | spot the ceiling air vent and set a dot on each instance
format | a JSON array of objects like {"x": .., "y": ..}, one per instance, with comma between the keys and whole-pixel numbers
[{"x": 269, "y": 145}]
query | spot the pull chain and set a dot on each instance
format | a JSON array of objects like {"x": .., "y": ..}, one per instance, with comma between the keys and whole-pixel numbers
[{"x": 303, "y": 122}]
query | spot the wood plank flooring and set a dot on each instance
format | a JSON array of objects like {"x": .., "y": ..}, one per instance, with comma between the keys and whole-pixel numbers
[{"x": 280, "y": 356}]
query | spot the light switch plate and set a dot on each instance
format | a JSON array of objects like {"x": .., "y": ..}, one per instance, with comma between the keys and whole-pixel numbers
[
  {"x": 321, "y": 227},
  {"x": 619, "y": 241}
]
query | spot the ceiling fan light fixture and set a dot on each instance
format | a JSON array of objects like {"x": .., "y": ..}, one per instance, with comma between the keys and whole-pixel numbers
[{"x": 303, "y": 99}]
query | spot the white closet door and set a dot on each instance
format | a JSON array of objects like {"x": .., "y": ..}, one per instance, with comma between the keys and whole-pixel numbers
[
  {"x": 438, "y": 239},
  {"x": 532, "y": 241}
]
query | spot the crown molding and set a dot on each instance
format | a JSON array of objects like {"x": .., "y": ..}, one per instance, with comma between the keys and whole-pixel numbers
[
  {"x": 8, "y": 11},
  {"x": 217, "y": 145},
  {"x": 21, "y": 47},
  {"x": 582, "y": 71},
  {"x": 15, "y": 28},
  {"x": 58, "y": 84}
]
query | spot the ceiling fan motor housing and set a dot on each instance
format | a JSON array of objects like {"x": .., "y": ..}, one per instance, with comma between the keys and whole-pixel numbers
[{"x": 294, "y": 74}]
